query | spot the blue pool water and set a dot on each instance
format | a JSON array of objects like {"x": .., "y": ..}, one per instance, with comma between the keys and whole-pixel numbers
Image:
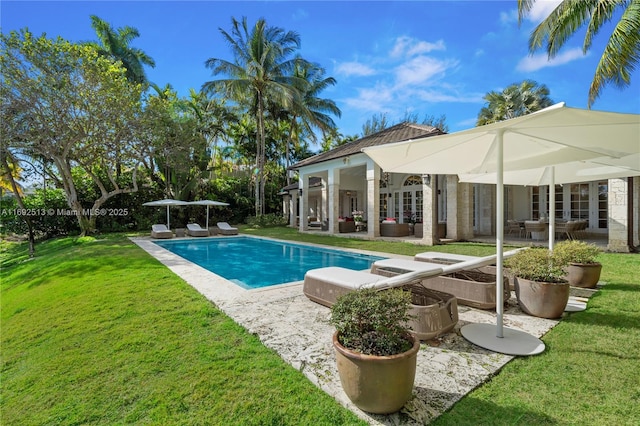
[{"x": 254, "y": 263}]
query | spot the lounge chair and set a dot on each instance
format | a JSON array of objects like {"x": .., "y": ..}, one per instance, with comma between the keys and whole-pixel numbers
[
  {"x": 450, "y": 259},
  {"x": 226, "y": 229},
  {"x": 471, "y": 287},
  {"x": 434, "y": 313},
  {"x": 195, "y": 230},
  {"x": 161, "y": 231}
]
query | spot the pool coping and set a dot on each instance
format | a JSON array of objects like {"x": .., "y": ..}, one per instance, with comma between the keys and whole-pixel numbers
[{"x": 299, "y": 331}]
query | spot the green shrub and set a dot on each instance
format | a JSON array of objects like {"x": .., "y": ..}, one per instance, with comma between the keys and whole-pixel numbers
[
  {"x": 373, "y": 322},
  {"x": 538, "y": 264},
  {"x": 266, "y": 220},
  {"x": 574, "y": 251}
]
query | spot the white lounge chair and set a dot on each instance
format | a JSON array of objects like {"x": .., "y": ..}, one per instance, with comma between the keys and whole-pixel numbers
[
  {"x": 433, "y": 313},
  {"x": 161, "y": 231},
  {"x": 325, "y": 285},
  {"x": 195, "y": 230},
  {"x": 226, "y": 229},
  {"x": 471, "y": 287}
]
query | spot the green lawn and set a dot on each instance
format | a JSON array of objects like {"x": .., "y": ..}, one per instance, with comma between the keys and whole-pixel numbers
[{"x": 98, "y": 332}]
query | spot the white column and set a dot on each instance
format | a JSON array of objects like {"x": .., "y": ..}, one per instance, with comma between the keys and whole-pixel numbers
[
  {"x": 373, "y": 199},
  {"x": 293, "y": 201},
  {"x": 429, "y": 217},
  {"x": 304, "y": 201},
  {"x": 618, "y": 215},
  {"x": 334, "y": 199}
]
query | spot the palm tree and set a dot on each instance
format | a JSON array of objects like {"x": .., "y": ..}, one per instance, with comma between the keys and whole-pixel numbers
[
  {"x": 116, "y": 45},
  {"x": 313, "y": 112},
  {"x": 622, "y": 52},
  {"x": 514, "y": 101},
  {"x": 261, "y": 70}
]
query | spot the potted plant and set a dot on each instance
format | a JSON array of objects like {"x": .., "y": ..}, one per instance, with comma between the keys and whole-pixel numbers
[
  {"x": 357, "y": 217},
  {"x": 375, "y": 352},
  {"x": 583, "y": 268},
  {"x": 541, "y": 287}
]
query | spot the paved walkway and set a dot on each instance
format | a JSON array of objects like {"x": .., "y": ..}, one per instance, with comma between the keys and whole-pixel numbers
[{"x": 299, "y": 330}]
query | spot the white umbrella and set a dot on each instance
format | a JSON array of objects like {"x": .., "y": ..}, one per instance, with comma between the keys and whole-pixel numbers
[
  {"x": 208, "y": 203},
  {"x": 168, "y": 202},
  {"x": 552, "y": 136},
  {"x": 572, "y": 172}
]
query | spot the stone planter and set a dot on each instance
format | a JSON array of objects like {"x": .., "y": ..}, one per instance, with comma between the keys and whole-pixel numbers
[
  {"x": 540, "y": 299},
  {"x": 377, "y": 384},
  {"x": 585, "y": 275}
]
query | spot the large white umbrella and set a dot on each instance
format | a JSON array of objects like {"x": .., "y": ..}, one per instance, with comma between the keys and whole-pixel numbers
[
  {"x": 208, "y": 203},
  {"x": 168, "y": 202},
  {"x": 552, "y": 136}
]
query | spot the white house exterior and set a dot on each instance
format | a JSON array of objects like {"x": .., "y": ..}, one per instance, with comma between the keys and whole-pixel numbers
[{"x": 334, "y": 184}]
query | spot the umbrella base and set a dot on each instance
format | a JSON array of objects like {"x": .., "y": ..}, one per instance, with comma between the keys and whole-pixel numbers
[{"x": 514, "y": 342}]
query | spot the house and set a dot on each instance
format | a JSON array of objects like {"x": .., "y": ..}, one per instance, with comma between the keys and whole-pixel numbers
[{"x": 336, "y": 185}]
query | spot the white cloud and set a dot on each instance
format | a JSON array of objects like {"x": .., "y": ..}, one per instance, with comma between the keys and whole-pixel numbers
[
  {"x": 354, "y": 68},
  {"x": 420, "y": 70},
  {"x": 542, "y": 9},
  {"x": 509, "y": 17},
  {"x": 408, "y": 46},
  {"x": 540, "y": 60},
  {"x": 539, "y": 11}
]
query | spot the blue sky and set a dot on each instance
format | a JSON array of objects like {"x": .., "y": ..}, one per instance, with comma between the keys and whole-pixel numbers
[{"x": 424, "y": 57}]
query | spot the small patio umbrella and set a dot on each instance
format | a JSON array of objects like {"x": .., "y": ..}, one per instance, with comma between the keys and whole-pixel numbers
[
  {"x": 168, "y": 202},
  {"x": 208, "y": 203},
  {"x": 553, "y": 136}
]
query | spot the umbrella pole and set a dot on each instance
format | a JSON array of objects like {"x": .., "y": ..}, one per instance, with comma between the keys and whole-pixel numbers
[
  {"x": 207, "y": 224},
  {"x": 552, "y": 207},
  {"x": 168, "y": 224},
  {"x": 499, "y": 234},
  {"x": 515, "y": 342}
]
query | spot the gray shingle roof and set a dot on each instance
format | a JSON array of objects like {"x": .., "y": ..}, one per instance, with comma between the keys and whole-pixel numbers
[{"x": 398, "y": 133}]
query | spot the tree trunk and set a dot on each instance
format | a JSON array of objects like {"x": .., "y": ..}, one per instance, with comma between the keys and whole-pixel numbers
[{"x": 26, "y": 218}]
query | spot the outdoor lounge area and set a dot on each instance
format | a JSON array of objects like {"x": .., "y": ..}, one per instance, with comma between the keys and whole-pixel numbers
[{"x": 448, "y": 368}]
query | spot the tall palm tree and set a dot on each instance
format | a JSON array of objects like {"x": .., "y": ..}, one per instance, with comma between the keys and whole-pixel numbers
[
  {"x": 514, "y": 101},
  {"x": 115, "y": 44},
  {"x": 313, "y": 112},
  {"x": 622, "y": 52},
  {"x": 261, "y": 70}
]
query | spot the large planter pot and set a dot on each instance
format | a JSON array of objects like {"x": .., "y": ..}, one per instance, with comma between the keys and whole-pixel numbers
[
  {"x": 585, "y": 275},
  {"x": 540, "y": 299},
  {"x": 377, "y": 384}
]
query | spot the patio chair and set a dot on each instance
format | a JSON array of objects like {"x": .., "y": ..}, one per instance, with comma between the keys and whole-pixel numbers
[
  {"x": 514, "y": 227},
  {"x": 226, "y": 229},
  {"x": 535, "y": 229},
  {"x": 161, "y": 231},
  {"x": 471, "y": 287},
  {"x": 195, "y": 230},
  {"x": 433, "y": 313}
]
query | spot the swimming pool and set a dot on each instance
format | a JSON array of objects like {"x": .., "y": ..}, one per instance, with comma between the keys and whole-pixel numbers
[{"x": 255, "y": 263}]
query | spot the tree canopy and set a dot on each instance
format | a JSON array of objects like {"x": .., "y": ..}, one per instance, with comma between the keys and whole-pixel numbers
[{"x": 67, "y": 104}]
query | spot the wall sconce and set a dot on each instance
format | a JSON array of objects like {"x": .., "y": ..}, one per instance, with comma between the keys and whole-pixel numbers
[
  {"x": 300, "y": 192},
  {"x": 348, "y": 193},
  {"x": 426, "y": 179},
  {"x": 346, "y": 160}
]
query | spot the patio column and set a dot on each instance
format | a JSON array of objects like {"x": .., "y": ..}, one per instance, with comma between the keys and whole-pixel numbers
[
  {"x": 334, "y": 199},
  {"x": 373, "y": 199},
  {"x": 293, "y": 211},
  {"x": 325, "y": 198},
  {"x": 459, "y": 209},
  {"x": 429, "y": 211},
  {"x": 618, "y": 215},
  {"x": 303, "y": 190}
]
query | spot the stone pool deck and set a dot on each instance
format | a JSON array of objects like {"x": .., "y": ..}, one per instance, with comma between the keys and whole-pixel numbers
[{"x": 299, "y": 331}]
